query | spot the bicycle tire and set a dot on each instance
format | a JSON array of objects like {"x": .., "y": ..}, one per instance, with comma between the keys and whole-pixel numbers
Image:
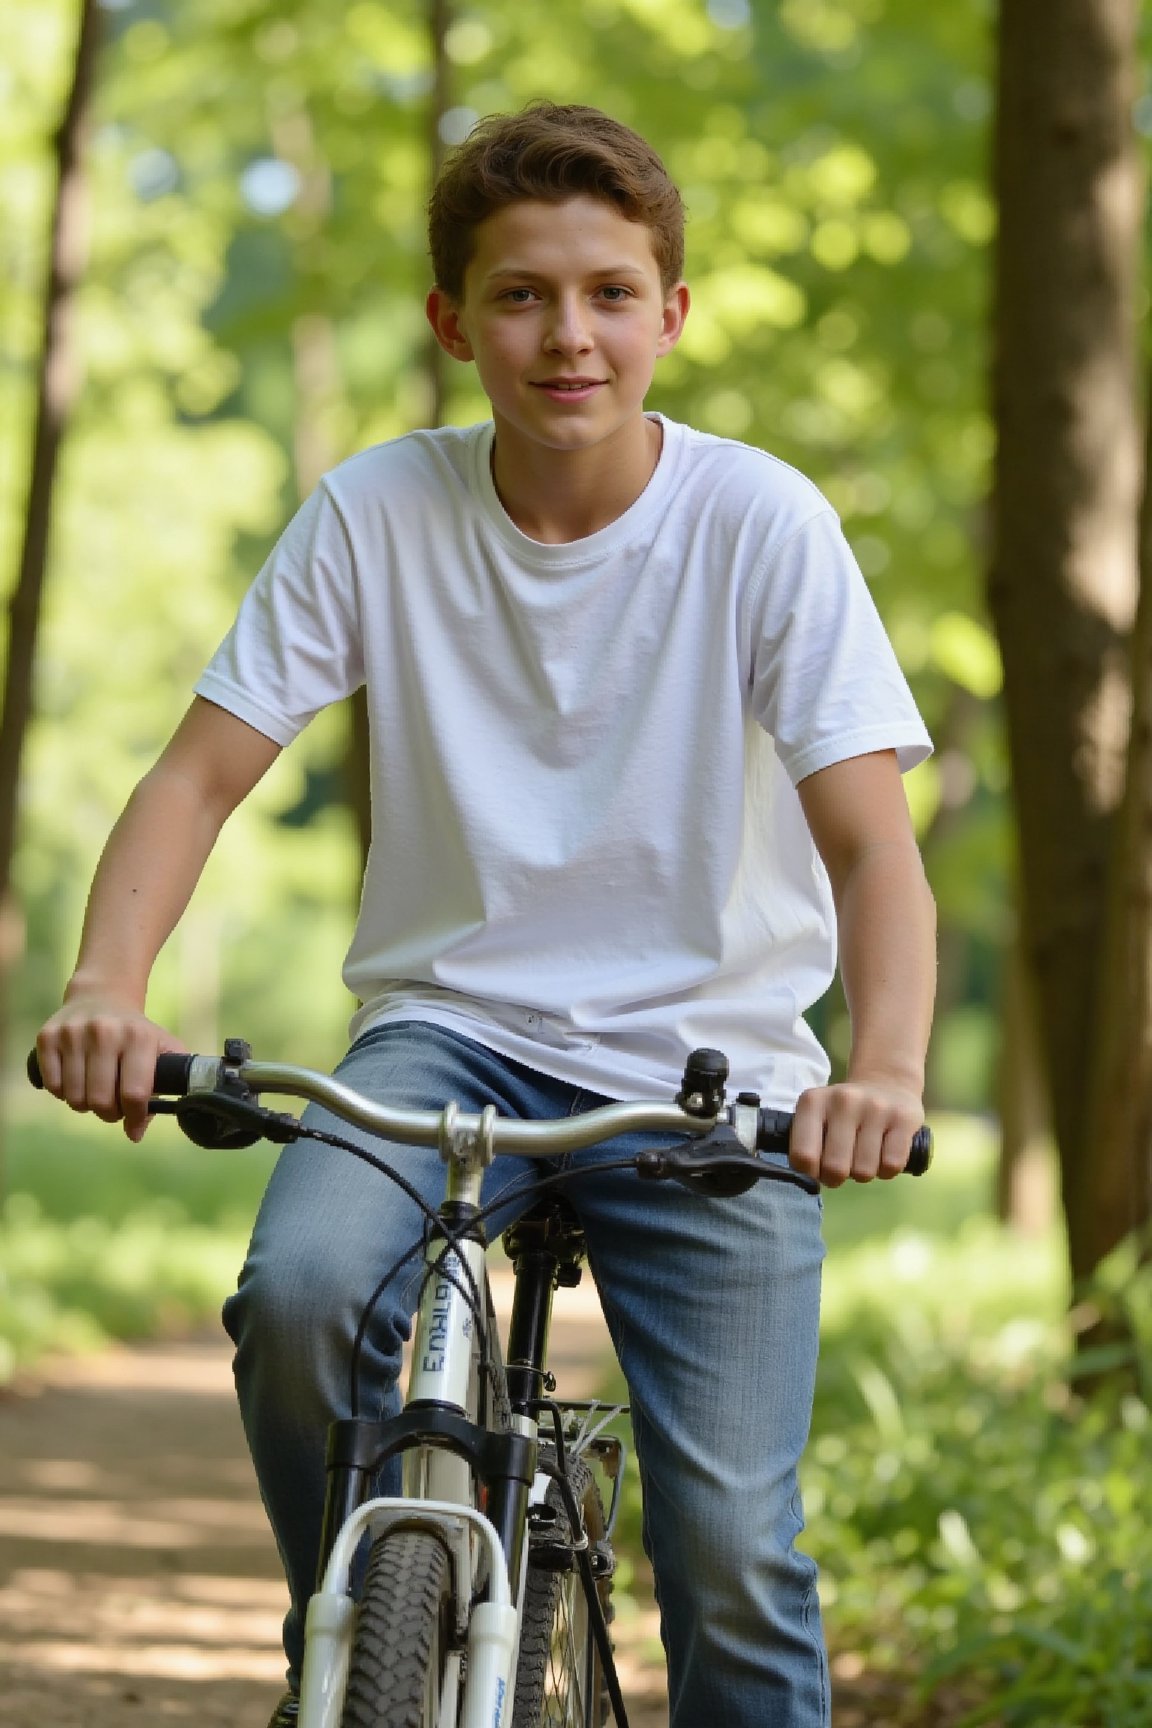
[
  {"x": 400, "y": 1646},
  {"x": 559, "y": 1675}
]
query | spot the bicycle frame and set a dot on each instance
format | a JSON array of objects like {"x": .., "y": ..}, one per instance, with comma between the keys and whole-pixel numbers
[{"x": 445, "y": 1447}]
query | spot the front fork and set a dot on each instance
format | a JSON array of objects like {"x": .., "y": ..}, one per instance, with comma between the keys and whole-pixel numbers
[{"x": 445, "y": 1453}]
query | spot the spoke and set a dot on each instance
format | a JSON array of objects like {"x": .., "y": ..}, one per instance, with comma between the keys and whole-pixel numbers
[{"x": 565, "y": 1703}]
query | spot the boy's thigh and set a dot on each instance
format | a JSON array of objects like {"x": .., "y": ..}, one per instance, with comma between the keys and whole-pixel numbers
[{"x": 713, "y": 1305}]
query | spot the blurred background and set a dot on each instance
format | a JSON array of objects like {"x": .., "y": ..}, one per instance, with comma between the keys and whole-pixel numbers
[
  {"x": 211, "y": 224},
  {"x": 250, "y": 311}
]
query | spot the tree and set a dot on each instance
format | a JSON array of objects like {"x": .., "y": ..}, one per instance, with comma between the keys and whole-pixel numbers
[
  {"x": 1063, "y": 574},
  {"x": 56, "y": 390},
  {"x": 1121, "y": 1075}
]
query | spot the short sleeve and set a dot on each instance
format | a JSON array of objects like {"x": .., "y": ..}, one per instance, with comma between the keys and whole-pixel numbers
[
  {"x": 825, "y": 682},
  {"x": 296, "y": 644}
]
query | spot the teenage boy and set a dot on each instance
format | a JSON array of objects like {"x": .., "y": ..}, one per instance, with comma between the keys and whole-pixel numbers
[{"x": 637, "y": 737}]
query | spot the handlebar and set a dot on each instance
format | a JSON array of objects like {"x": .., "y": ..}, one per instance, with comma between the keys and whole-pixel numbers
[{"x": 222, "y": 1109}]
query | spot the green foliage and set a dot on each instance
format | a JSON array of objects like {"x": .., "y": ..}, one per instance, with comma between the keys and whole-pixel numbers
[
  {"x": 979, "y": 1531},
  {"x": 260, "y": 170},
  {"x": 72, "y": 1286},
  {"x": 965, "y": 1508},
  {"x": 100, "y": 1239}
]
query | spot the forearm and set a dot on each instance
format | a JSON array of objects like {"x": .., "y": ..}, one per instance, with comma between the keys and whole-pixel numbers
[
  {"x": 153, "y": 860},
  {"x": 98, "y": 1052},
  {"x": 887, "y": 929}
]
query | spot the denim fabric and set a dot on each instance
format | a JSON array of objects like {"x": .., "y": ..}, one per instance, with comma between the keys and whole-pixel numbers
[{"x": 712, "y": 1306}]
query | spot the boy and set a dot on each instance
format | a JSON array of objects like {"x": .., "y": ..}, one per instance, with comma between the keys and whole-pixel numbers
[{"x": 637, "y": 740}]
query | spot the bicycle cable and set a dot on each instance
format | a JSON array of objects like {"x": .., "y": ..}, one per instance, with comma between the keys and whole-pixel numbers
[{"x": 452, "y": 1240}]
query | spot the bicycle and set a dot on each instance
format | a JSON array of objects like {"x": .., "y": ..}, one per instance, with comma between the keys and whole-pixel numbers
[{"x": 488, "y": 1581}]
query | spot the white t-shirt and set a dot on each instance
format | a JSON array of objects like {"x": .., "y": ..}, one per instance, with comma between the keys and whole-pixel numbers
[{"x": 587, "y": 852}]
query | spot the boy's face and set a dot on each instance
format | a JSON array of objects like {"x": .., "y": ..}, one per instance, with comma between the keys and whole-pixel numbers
[{"x": 565, "y": 316}]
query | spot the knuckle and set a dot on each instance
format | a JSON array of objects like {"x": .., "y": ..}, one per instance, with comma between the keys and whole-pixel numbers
[
  {"x": 104, "y": 1032},
  {"x": 71, "y": 1035}
]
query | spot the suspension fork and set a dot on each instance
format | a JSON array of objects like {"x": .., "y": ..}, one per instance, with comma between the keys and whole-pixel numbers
[{"x": 440, "y": 1372}]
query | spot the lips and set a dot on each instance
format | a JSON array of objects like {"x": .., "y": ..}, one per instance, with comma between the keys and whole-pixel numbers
[{"x": 569, "y": 389}]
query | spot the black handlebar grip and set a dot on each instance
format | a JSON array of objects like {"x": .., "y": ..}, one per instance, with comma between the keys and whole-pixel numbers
[
  {"x": 776, "y": 1125},
  {"x": 173, "y": 1071},
  {"x": 920, "y": 1157}
]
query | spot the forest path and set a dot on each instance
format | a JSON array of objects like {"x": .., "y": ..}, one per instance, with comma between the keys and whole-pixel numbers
[{"x": 139, "y": 1583}]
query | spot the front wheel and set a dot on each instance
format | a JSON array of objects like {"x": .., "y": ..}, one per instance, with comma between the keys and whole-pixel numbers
[
  {"x": 402, "y": 1664},
  {"x": 559, "y": 1676}
]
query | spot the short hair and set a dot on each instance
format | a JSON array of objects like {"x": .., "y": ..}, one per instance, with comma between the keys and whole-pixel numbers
[{"x": 551, "y": 152}]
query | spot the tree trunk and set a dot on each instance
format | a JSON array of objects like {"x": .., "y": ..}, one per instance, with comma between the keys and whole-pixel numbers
[
  {"x": 1025, "y": 1189},
  {"x": 1062, "y": 583},
  {"x": 1122, "y": 1093},
  {"x": 439, "y": 18},
  {"x": 57, "y": 386},
  {"x": 318, "y": 387}
]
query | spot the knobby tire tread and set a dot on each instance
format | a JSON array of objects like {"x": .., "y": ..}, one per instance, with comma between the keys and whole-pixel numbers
[
  {"x": 538, "y": 1699},
  {"x": 402, "y": 1625}
]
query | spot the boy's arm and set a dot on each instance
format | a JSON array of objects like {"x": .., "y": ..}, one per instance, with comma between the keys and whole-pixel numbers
[
  {"x": 98, "y": 1051},
  {"x": 859, "y": 820}
]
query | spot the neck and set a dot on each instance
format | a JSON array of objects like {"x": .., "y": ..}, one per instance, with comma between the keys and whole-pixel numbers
[{"x": 559, "y": 495}]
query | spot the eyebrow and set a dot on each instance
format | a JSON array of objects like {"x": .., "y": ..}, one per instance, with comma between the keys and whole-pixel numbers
[{"x": 600, "y": 270}]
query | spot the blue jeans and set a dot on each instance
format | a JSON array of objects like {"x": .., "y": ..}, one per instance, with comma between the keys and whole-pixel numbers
[{"x": 712, "y": 1306}]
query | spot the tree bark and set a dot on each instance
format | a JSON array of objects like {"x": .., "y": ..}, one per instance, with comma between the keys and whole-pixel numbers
[
  {"x": 1062, "y": 583},
  {"x": 439, "y": 18},
  {"x": 56, "y": 389},
  {"x": 57, "y": 386},
  {"x": 318, "y": 385},
  {"x": 1025, "y": 1185},
  {"x": 1121, "y": 1122}
]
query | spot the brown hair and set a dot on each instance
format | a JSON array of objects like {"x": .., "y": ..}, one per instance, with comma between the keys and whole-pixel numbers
[{"x": 551, "y": 152}]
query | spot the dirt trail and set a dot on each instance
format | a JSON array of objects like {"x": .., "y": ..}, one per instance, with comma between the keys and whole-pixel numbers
[{"x": 139, "y": 1583}]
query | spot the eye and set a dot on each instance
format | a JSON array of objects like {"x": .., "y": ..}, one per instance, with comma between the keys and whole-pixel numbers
[
  {"x": 615, "y": 293},
  {"x": 518, "y": 296}
]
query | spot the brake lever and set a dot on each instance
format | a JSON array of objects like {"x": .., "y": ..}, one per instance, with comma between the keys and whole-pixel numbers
[
  {"x": 227, "y": 1121},
  {"x": 717, "y": 1165}
]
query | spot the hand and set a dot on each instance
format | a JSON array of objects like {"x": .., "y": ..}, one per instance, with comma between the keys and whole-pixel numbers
[
  {"x": 99, "y": 1053},
  {"x": 856, "y": 1131}
]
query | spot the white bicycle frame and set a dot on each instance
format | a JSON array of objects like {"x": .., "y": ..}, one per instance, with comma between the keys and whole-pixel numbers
[
  {"x": 448, "y": 1349},
  {"x": 447, "y": 1352}
]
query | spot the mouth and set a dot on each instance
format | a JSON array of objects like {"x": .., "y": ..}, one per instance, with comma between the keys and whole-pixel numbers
[{"x": 568, "y": 389}]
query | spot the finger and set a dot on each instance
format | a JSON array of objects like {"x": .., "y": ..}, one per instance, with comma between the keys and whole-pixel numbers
[
  {"x": 836, "y": 1165},
  {"x": 895, "y": 1151},
  {"x": 104, "y": 1045},
  {"x": 48, "y": 1056},
  {"x": 806, "y": 1141},
  {"x": 137, "y": 1073},
  {"x": 73, "y": 1068},
  {"x": 871, "y": 1123}
]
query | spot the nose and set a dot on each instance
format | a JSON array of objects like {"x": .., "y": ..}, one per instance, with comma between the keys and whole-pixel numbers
[{"x": 568, "y": 331}]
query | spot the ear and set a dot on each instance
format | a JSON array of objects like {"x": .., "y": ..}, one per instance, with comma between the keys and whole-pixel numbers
[
  {"x": 675, "y": 311},
  {"x": 443, "y": 314}
]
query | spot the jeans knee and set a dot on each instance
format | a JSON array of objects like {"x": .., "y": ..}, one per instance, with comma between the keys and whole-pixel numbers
[
  {"x": 731, "y": 1559},
  {"x": 294, "y": 1325}
]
